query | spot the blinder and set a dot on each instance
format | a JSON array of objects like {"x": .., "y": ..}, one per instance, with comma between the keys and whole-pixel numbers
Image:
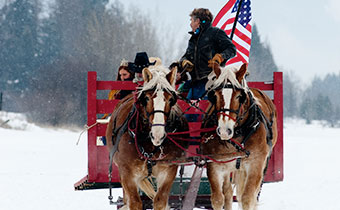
[
  {"x": 144, "y": 100},
  {"x": 242, "y": 99},
  {"x": 212, "y": 97},
  {"x": 173, "y": 99},
  {"x": 211, "y": 93}
]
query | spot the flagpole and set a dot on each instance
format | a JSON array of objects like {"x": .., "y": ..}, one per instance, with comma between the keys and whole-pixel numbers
[{"x": 235, "y": 22}]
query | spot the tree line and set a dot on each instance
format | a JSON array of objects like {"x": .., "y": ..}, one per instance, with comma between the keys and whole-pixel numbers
[
  {"x": 45, "y": 59},
  {"x": 318, "y": 101}
]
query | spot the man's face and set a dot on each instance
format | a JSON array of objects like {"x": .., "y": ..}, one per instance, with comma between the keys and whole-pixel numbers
[{"x": 195, "y": 23}]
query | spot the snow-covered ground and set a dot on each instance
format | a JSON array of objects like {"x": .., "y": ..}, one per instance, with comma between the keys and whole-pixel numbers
[{"x": 38, "y": 167}]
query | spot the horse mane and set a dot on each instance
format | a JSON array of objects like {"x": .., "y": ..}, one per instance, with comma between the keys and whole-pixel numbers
[
  {"x": 228, "y": 74},
  {"x": 175, "y": 112},
  {"x": 123, "y": 104},
  {"x": 158, "y": 81}
]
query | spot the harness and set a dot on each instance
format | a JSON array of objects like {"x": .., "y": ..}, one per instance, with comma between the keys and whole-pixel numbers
[
  {"x": 246, "y": 129},
  {"x": 132, "y": 125},
  {"x": 255, "y": 118}
]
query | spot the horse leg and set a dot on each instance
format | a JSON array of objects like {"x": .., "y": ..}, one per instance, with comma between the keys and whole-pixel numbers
[
  {"x": 164, "y": 178},
  {"x": 216, "y": 179},
  {"x": 252, "y": 187},
  {"x": 228, "y": 193},
  {"x": 131, "y": 196}
]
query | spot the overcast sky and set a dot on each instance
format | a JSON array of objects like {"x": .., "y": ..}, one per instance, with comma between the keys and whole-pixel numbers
[{"x": 304, "y": 35}]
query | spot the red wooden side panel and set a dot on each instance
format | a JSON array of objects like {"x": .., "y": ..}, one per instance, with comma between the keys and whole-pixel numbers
[
  {"x": 91, "y": 119},
  {"x": 98, "y": 156},
  {"x": 277, "y": 156}
]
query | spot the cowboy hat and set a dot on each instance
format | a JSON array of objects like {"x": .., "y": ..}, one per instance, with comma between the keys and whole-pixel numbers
[{"x": 141, "y": 62}]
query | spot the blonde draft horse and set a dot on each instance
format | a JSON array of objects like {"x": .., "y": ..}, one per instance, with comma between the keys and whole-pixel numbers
[
  {"x": 243, "y": 116},
  {"x": 147, "y": 151}
]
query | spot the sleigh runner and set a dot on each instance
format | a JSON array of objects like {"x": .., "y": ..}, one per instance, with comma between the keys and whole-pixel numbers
[{"x": 98, "y": 161}]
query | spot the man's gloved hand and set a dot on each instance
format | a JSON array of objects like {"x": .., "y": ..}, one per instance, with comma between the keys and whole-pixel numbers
[
  {"x": 217, "y": 59},
  {"x": 187, "y": 65}
]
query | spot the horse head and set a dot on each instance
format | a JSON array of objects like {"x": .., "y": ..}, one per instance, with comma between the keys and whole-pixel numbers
[
  {"x": 157, "y": 96},
  {"x": 229, "y": 94}
]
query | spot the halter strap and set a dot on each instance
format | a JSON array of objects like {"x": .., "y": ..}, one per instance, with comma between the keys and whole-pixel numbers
[
  {"x": 158, "y": 111},
  {"x": 152, "y": 125},
  {"x": 227, "y": 115}
]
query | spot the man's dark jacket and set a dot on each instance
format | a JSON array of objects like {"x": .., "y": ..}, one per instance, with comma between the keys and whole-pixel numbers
[{"x": 203, "y": 46}]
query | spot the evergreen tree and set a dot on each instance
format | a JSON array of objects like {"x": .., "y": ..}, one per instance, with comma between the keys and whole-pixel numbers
[
  {"x": 261, "y": 61},
  {"x": 328, "y": 109},
  {"x": 306, "y": 110},
  {"x": 49, "y": 40},
  {"x": 18, "y": 43},
  {"x": 326, "y": 98},
  {"x": 18, "y": 55},
  {"x": 290, "y": 95},
  {"x": 335, "y": 118},
  {"x": 96, "y": 41}
]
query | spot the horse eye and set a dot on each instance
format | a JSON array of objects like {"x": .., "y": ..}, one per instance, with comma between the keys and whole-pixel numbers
[{"x": 241, "y": 97}]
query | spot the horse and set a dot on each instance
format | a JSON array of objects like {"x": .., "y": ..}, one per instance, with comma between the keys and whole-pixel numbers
[
  {"x": 140, "y": 147},
  {"x": 245, "y": 121}
]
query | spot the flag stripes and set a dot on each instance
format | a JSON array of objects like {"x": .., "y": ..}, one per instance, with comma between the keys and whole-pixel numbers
[{"x": 242, "y": 34}]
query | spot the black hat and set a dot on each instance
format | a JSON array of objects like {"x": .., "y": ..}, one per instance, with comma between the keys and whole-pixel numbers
[{"x": 141, "y": 62}]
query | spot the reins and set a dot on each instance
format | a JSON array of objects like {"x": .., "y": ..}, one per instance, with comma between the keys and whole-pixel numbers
[
  {"x": 195, "y": 104},
  {"x": 173, "y": 136}
]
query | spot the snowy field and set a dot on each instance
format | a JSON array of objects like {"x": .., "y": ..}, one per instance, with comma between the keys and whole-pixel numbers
[{"x": 38, "y": 167}]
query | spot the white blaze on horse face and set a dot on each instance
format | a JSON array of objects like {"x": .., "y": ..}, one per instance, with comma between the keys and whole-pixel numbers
[
  {"x": 158, "y": 131},
  {"x": 225, "y": 124}
]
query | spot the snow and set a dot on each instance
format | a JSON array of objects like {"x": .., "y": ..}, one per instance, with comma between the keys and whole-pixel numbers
[{"x": 39, "y": 167}]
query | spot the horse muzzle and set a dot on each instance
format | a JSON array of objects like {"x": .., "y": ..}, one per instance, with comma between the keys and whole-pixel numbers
[
  {"x": 157, "y": 135},
  {"x": 224, "y": 133}
]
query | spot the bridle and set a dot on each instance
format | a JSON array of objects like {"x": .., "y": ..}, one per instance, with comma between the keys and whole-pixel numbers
[
  {"x": 240, "y": 108},
  {"x": 143, "y": 103}
]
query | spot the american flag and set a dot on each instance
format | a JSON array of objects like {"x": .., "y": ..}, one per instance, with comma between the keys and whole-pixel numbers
[{"x": 242, "y": 35}]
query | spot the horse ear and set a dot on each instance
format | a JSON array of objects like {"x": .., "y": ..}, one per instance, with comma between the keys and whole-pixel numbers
[
  {"x": 241, "y": 72},
  {"x": 147, "y": 75},
  {"x": 171, "y": 76}
]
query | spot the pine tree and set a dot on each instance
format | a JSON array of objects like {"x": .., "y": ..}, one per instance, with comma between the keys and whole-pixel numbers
[
  {"x": 261, "y": 61},
  {"x": 290, "y": 95},
  {"x": 85, "y": 37},
  {"x": 326, "y": 98},
  {"x": 18, "y": 38},
  {"x": 18, "y": 55},
  {"x": 306, "y": 110}
]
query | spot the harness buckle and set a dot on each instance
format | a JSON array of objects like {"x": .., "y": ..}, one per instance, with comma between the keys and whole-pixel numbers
[
  {"x": 132, "y": 134},
  {"x": 208, "y": 138},
  {"x": 161, "y": 155}
]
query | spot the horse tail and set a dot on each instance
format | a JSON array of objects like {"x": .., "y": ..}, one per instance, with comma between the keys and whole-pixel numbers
[{"x": 147, "y": 187}]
